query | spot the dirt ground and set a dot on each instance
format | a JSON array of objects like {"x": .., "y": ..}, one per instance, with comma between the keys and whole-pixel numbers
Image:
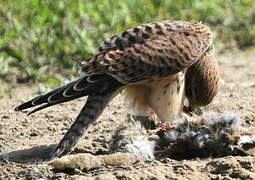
[{"x": 26, "y": 138}]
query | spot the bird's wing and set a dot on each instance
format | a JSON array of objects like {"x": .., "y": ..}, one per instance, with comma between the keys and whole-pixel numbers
[{"x": 156, "y": 49}]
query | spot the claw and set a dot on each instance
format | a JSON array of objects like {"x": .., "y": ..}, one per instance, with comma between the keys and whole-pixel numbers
[
  {"x": 152, "y": 116},
  {"x": 163, "y": 127}
]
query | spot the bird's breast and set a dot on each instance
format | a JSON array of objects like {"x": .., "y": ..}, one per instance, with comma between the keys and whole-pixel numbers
[{"x": 162, "y": 95}]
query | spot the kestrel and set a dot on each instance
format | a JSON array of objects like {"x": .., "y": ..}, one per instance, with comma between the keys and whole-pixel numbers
[{"x": 151, "y": 63}]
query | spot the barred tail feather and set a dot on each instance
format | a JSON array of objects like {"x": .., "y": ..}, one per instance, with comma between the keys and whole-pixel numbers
[
  {"x": 91, "y": 111},
  {"x": 86, "y": 85}
]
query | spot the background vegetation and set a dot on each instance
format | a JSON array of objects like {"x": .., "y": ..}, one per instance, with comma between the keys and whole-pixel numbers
[{"x": 46, "y": 40}]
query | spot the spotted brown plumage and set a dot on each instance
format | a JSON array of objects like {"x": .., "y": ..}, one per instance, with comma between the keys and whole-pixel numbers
[
  {"x": 202, "y": 81},
  {"x": 149, "y": 63},
  {"x": 155, "y": 49}
]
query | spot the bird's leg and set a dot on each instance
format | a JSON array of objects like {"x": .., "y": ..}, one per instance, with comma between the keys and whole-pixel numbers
[
  {"x": 152, "y": 116},
  {"x": 136, "y": 101},
  {"x": 148, "y": 121}
]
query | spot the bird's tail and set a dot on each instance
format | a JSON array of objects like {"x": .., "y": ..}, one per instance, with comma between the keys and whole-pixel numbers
[
  {"x": 94, "y": 106},
  {"x": 86, "y": 85}
]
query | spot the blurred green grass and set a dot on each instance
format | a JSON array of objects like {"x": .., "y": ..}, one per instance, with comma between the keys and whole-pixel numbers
[{"x": 46, "y": 40}]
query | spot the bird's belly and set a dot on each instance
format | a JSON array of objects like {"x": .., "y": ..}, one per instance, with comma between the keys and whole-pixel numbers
[{"x": 163, "y": 95}]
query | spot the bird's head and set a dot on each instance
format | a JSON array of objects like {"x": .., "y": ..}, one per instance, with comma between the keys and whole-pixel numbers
[{"x": 202, "y": 81}]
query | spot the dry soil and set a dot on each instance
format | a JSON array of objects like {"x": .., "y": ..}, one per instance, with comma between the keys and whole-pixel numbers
[{"x": 26, "y": 139}]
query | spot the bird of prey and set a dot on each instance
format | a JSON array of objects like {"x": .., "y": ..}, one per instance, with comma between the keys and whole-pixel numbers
[{"x": 151, "y": 63}]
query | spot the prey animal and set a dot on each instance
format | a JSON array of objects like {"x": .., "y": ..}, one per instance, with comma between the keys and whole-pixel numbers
[{"x": 157, "y": 65}]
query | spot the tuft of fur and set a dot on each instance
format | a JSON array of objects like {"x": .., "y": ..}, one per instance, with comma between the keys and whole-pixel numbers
[
  {"x": 213, "y": 135},
  {"x": 209, "y": 137},
  {"x": 132, "y": 138}
]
